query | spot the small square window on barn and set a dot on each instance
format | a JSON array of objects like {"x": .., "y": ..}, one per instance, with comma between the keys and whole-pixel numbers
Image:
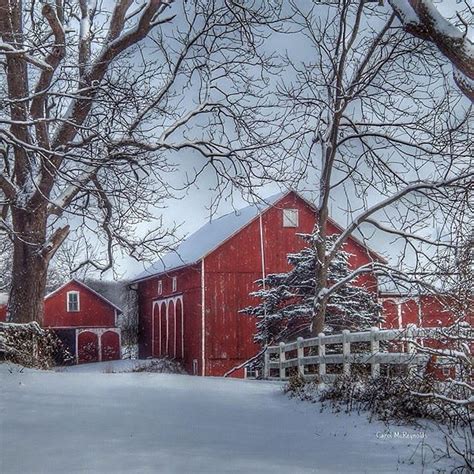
[
  {"x": 73, "y": 304},
  {"x": 290, "y": 217},
  {"x": 160, "y": 287},
  {"x": 174, "y": 284}
]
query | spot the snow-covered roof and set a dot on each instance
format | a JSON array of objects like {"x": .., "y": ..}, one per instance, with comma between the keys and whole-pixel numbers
[
  {"x": 208, "y": 238},
  {"x": 3, "y": 299},
  {"x": 214, "y": 233}
]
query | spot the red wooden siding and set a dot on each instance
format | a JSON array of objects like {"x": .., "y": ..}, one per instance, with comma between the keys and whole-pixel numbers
[
  {"x": 230, "y": 272},
  {"x": 152, "y": 337},
  {"x": 94, "y": 324},
  {"x": 87, "y": 347},
  {"x": 110, "y": 346},
  {"x": 424, "y": 311},
  {"x": 93, "y": 310}
]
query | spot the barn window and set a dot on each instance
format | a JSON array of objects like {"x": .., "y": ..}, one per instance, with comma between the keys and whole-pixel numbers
[
  {"x": 290, "y": 217},
  {"x": 160, "y": 287},
  {"x": 73, "y": 301},
  {"x": 174, "y": 284}
]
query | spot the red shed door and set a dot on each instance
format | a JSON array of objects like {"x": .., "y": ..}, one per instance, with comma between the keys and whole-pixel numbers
[
  {"x": 110, "y": 345},
  {"x": 171, "y": 330},
  {"x": 87, "y": 347},
  {"x": 163, "y": 330},
  {"x": 156, "y": 346},
  {"x": 179, "y": 330}
]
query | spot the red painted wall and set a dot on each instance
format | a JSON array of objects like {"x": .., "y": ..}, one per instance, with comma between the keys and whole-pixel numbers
[
  {"x": 231, "y": 272},
  {"x": 189, "y": 286},
  {"x": 87, "y": 347},
  {"x": 94, "y": 311},
  {"x": 110, "y": 346},
  {"x": 424, "y": 311}
]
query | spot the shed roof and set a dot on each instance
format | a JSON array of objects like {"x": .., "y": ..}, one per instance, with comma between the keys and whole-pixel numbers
[{"x": 3, "y": 299}]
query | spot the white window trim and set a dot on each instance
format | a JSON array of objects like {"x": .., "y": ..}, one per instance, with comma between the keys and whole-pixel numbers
[
  {"x": 78, "y": 301},
  {"x": 287, "y": 221},
  {"x": 160, "y": 287},
  {"x": 174, "y": 284}
]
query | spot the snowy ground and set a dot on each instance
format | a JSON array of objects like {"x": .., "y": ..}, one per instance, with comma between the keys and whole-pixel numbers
[{"x": 85, "y": 420}]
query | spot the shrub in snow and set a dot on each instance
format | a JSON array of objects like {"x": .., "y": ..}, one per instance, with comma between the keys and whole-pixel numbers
[
  {"x": 130, "y": 351},
  {"x": 287, "y": 299},
  {"x": 400, "y": 399},
  {"x": 298, "y": 387},
  {"x": 31, "y": 346},
  {"x": 161, "y": 366}
]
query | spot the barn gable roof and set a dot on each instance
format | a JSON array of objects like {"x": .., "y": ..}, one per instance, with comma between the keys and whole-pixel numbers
[
  {"x": 208, "y": 238},
  {"x": 213, "y": 234},
  {"x": 88, "y": 288}
]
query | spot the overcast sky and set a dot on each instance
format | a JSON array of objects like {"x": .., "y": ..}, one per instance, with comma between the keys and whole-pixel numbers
[{"x": 192, "y": 209}]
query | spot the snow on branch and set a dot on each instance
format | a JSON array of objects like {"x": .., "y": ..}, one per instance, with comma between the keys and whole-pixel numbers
[{"x": 422, "y": 19}]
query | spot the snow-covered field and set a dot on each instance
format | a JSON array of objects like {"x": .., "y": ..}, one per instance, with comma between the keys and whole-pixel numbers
[{"x": 85, "y": 420}]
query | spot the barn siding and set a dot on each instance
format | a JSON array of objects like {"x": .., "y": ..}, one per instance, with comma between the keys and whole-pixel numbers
[
  {"x": 424, "y": 311},
  {"x": 230, "y": 274},
  {"x": 94, "y": 311},
  {"x": 233, "y": 268},
  {"x": 189, "y": 286}
]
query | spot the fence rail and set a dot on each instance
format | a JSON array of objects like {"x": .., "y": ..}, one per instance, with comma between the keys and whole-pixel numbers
[{"x": 296, "y": 355}]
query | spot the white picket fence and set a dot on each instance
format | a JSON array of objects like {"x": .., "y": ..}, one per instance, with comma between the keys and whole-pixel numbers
[{"x": 279, "y": 361}]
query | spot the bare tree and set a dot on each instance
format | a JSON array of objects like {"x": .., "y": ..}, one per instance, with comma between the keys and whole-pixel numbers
[
  {"x": 387, "y": 140},
  {"x": 96, "y": 104},
  {"x": 450, "y": 34}
]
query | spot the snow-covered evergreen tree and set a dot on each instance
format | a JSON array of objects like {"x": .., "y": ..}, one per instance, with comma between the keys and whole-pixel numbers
[{"x": 287, "y": 299}]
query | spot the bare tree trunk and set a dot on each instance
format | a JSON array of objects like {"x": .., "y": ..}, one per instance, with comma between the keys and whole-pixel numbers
[
  {"x": 30, "y": 265},
  {"x": 321, "y": 275}
]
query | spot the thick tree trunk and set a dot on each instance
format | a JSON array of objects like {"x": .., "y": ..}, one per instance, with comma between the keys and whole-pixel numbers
[{"x": 30, "y": 266}]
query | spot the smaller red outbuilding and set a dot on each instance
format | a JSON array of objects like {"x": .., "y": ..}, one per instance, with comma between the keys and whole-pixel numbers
[
  {"x": 428, "y": 311},
  {"x": 83, "y": 319}
]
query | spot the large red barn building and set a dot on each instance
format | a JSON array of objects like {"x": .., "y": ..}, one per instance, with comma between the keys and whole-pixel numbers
[
  {"x": 84, "y": 320},
  {"x": 189, "y": 301}
]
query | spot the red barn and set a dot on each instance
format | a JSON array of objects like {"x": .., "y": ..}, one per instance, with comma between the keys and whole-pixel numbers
[
  {"x": 84, "y": 320},
  {"x": 424, "y": 310},
  {"x": 189, "y": 301},
  {"x": 427, "y": 311}
]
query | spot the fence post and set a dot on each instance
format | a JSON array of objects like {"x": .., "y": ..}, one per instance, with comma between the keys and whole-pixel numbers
[
  {"x": 374, "y": 349},
  {"x": 322, "y": 355},
  {"x": 282, "y": 359},
  {"x": 411, "y": 347},
  {"x": 266, "y": 363},
  {"x": 300, "y": 355},
  {"x": 346, "y": 351}
]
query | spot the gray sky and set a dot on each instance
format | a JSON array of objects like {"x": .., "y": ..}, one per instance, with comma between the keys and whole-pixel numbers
[{"x": 192, "y": 209}]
